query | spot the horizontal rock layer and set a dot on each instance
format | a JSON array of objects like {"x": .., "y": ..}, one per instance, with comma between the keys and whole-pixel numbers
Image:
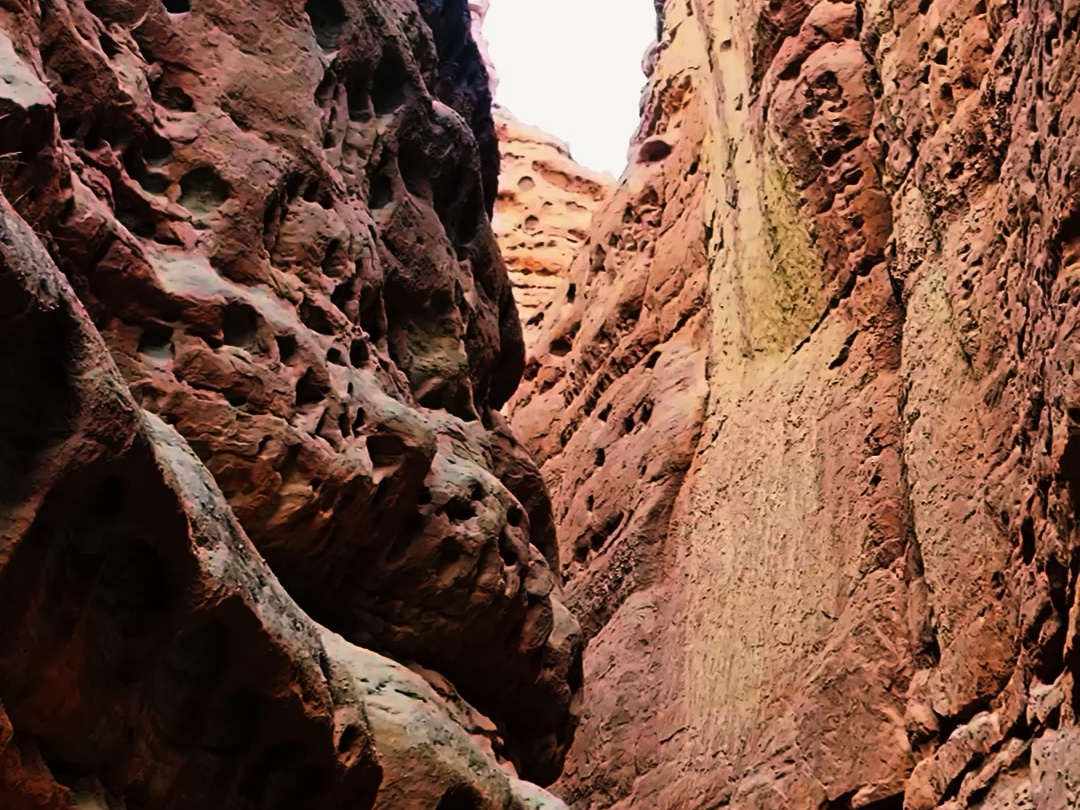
[
  {"x": 810, "y": 421},
  {"x": 256, "y": 333}
]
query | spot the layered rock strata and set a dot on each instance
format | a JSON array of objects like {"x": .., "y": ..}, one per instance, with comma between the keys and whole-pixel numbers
[
  {"x": 810, "y": 420},
  {"x": 542, "y": 215},
  {"x": 256, "y": 335}
]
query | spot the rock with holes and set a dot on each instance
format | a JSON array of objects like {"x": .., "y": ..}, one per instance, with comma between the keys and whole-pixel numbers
[
  {"x": 542, "y": 216},
  {"x": 278, "y": 223},
  {"x": 811, "y": 423}
]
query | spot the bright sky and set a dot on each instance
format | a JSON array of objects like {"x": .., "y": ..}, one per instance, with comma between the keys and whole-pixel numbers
[{"x": 573, "y": 68}]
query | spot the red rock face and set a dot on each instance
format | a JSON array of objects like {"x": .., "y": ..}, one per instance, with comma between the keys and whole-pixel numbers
[
  {"x": 257, "y": 330},
  {"x": 809, "y": 422}
]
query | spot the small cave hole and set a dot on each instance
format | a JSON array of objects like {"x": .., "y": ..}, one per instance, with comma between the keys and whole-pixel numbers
[
  {"x": 526, "y": 183},
  {"x": 653, "y": 150},
  {"x": 202, "y": 190},
  {"x": 391, "y": 82},
  {"x": 239, "y": 325},
  {"x": 605, "y": 412},
  {"x": 156, "y": 342},
  {"x": 514, "y": 515},
  {"x": 560, "y": 347},
  {"x": 177, "y": 6},
  {"x": 460, "y": 509},
  {"x": 335, "y": 357},
  {"x": 532, "y": 224},
  {"x": 316, "y": 318},
  {"x": 600, "y": 458},
  {"x": 651, "y": 362},
  {"x": 359, "y": 353},
  {"x": 286, "y": 347},
  {"x": 309, "y": 390},
  {"x": 327, "y": 20},
  {"x": 628, "y": 423},
  {"x": 1027, "y": 540},
  {"x": 359, "y": 420},
  {"x": 571, "y": 293}
]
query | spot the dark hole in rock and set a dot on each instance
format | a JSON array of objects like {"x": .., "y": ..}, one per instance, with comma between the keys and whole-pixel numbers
[
  {"x": 316, "y": 318},
  {"x": 460, "y": 508},
  {"x": 239, "y": 325},
  {"x": 581, "y": 553},
  {"x": 531, "y": 224},
  {"x": 653, "y": 150},
  {"x": 560, "y": 347},
  {"x": 571, "y": 293},
  {"x": 526, "y": 183},
  {"x": 359, "y": 420},
  {"x": 344, "y": 425},
  {"x": 590, "y": 502},
  {"x": 831, "y": 157},
  {"x": 343, "y": 297},
  {"x": 358, "y": 97},
  {"x": 177, "y": 6},
  {"x": 601, "y": 457},
  {"x": 605, "y": 412},
  {"x": 108, "y": 45},
  {"x": 651, "y": 362},
  {"x": 514, "y": 515},
  {"x": 359, "y": 353},
  {"x": 286, "y": 347},
  {"x": 202, "y": 190},
  {"x": 309, "y": 390},
  {"x": 646, "y": 412},
  {"x": 508, "y": 551},
  {"x": 628, "y": 423},
  {"x": 1027, "y": 540},
  {"x": 350, "y": 735},
  {"x": 335, "y": 356},
  {"x": 327, "y": 20},
  {"x": 372, "y": 315},
  {"x": 390, "y": 85},
  {"x": 237, "y": 399},
  {"x": 156, "y": 342},
  {"x": 380, "y": 192},
  {"x": 424, "y": 498},
  {"x": 174, "y": 98},
  {"x": 385, "y": 449}
]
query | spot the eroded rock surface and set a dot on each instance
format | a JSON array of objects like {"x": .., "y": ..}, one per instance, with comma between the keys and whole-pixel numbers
[
  {"x": 810, "y": 421},
  {"x": 256, "y": 333},
  {"x": 542, "y": 215}
]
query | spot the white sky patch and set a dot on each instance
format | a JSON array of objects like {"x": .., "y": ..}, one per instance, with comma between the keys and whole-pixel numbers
[{"x": 573, "y": 68}]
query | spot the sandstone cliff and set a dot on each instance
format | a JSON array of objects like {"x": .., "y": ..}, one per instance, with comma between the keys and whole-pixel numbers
[
  {"x": 810, "y": 420},
  {"x": 542, "y": 215},
  {"x": 255, "y": 335}
]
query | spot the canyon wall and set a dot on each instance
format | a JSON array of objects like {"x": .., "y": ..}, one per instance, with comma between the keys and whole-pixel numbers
[
  {"x": 810, "y": 417},
  {"x": 542, "y": 215},
  {"x": 266, "y": 541}
]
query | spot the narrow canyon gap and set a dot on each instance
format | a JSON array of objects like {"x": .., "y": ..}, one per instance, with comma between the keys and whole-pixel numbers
[{"x": 763, "y": 495}]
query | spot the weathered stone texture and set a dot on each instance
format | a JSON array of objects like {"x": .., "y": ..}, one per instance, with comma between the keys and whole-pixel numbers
[
  {"x": 256, "y": 333},
  {"x": 542, "y": 216},
  {"x": 810, "y": 423}
]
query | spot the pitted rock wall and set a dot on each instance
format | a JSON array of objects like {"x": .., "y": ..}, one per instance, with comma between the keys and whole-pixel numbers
[
  {"x": 257, "y": 331},
  {"x": 809, "y": 422}
]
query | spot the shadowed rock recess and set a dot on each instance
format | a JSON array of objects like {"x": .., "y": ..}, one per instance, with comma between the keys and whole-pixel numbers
[
  {"x": 811, "y": 420},
  {"x": 265, "y": 541}
]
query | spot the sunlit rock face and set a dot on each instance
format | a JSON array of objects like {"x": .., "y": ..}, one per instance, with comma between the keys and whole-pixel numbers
[
  {"x": 542, "y": 216},
  {"x": 257, "y": 331},
  {"x": 810, "y": 419}
]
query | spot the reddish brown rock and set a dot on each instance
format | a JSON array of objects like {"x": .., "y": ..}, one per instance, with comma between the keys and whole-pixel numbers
[
  {"x": 278, "y": 227},
  {"x": 809, "y": 422},
  {"x": 542, "y": 215}
]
